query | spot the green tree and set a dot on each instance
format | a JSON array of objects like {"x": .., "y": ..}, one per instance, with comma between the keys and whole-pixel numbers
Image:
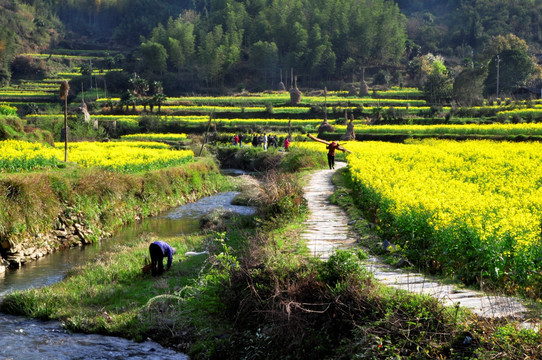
[
  {"x": 422, "y": 30},
  {"x": 210, "y": 55},
  {"x": 499, "y": 43},
  {"x": 469, "y": 85},
  {"x": 153, "y": 57},
  {"x": 439, "y": 85},
  {"x": 263, "y": 58},
  {"x": 514, "y": 68},
  {"x": 158, "y": 99},
  {"x": 322, "y": 58},
  {"x": 178, "y": 39},
  {"x": 127, "y": 98},
  {"x": 349, "y": 67},
  {"x": 119, "y": 59},
  {"x": 109, "y": 61},
  {"x": 85, "y": 69},
  {"x": 377, "y": 34},
  {"x": 138, "y": 86},
  {"x": 183, "y": 29},
  {"x": 229, "y": 13},
  {"x": 7, "y": 51},
  {"x": 176, "y": 57},
  {"x": 438, "y": 67},
  {"x": 297, "y": 44},
  {"x": 419, "y": 68},
  {"x": 218, "y": 52},
  {"x": 476, "y": 22},
  {"x": 158, "y": 96}
]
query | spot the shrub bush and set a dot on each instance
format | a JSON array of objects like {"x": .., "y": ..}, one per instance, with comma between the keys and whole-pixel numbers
[
  {"x": 299, "y": 159},
  {"x": 6, "y": 109}
]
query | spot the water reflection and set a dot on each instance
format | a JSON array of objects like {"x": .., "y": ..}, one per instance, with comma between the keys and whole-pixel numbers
[{"x": 195, "y": 210}]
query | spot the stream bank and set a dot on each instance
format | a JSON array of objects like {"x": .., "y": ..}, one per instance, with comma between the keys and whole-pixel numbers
[
  {"x": 46, "y": 212},
  {"x": 23, "y": 338},
  {"x": 181, "y": 308}
]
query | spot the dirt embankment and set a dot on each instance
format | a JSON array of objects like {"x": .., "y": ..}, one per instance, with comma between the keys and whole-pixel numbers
[{"x": 45, "y": 212}]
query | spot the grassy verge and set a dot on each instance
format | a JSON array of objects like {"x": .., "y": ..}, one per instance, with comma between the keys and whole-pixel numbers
[
  {"x": 109, "y": 294},
  {"x": 343, "y": 197}
]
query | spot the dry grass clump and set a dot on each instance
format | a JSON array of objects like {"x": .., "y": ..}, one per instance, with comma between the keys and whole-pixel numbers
[
  {"x": 282, "y": 195},
  {"x": 334, "y": 313},
  {"x": 28, "y": 204},
  {"x": 104, "y": 184}
]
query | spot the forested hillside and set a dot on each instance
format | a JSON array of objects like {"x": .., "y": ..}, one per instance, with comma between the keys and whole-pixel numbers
[
  {"x": 455, "y": 25},
  {"x": 247, "y": 43},
  {"x": 25, "y": 27}
]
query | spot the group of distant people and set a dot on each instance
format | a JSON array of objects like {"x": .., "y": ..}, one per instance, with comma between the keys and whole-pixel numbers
[
  {"x": 238, "y": 140},
  {"x": 272, "y": 141},
  {"x": 262, "y": 140}
]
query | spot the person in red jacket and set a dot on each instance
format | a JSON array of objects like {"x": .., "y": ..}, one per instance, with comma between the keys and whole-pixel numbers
[
  {"x": 158, "y": 250},
  {"x": 286, "y": 143},
  {"x": 331, "y": 154}
]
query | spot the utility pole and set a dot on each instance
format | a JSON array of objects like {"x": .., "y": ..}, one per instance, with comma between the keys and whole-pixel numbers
[
  {"x": 64, "y": 91},
  {"x": 498, "y": 62}
]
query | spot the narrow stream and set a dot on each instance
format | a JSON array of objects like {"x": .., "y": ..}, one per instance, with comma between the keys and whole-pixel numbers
[{"x": 21, "y": 338}]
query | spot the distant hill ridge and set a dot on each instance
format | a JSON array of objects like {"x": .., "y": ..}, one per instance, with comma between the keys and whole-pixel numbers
[{"x": 310, "y": 40}]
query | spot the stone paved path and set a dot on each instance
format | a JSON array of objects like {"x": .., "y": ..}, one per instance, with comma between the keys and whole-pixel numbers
[
  {"x": 327, "y": 225},
  {"x": 327, "y": 230}
]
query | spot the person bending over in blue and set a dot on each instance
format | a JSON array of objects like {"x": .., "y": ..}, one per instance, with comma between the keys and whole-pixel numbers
[{"x": 159, "y": 250}]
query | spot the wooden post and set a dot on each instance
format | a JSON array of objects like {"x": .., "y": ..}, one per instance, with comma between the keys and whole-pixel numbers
[
  {"x": 325, "y": 104},
  {"x": 64, "y": 90},
  {"x": 206, "y": 132},
  {"x": 281, "y": 84}
]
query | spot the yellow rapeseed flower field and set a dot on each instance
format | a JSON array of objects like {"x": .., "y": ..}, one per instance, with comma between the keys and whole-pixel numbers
[
  {"x": 154, "y": 137},
  {"x": 18, "y": 156},
  {"x": 127, "y": 157},
  {"x": 529, "y": 129},
  {"x": 471, "y": 209},
  {"x": 133, "y": 156}
]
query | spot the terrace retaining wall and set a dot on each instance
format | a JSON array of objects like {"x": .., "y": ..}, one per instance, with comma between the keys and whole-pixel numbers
[{"x": 69, "y": 231}]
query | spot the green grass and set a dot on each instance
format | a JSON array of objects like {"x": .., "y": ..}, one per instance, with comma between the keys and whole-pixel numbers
[
  {"x": 112, "y": 284},
  {"x": 61, "y": 56}
]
